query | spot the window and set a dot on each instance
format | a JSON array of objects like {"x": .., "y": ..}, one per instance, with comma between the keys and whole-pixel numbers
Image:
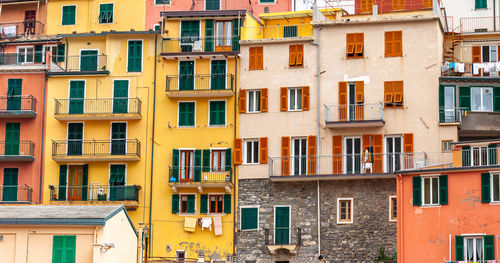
[
  {"x": 398, "y": 4},
  {"x": 355, "y": 45},
  {"x": 162, "y": 2},
  {"x": 393, "y": 149},
  {"x": 256, "y": 58},
  {"x": 296, "y": 56},
  {"x": 495, "y": 185},
  {"x": 251, "y": 151},
  {"x": 294, "y": 99},
  {"x": 217, "y": 113},
  {"x": 447, "y": 111},
  {"x": 186, "y": 114},
  {"x": 223, "y": 33},
  {"x": 393, "y": 44},
  {"x": 282, "y": 216},
  {"x": 446, "y": 146},
  {"x": 156, "y": 27},
  {"x": 393, "y": 94},
  {"x": 433, "y": 192},
  {"x": 68, "y": 15},
  {"x": 474, "y": 249},
  {"x": 53, "y": 50},
  {"x": 352, "y": 155},
  {"x": 218, "y": 160},
  {"x": 25, "y": 54},
  {"x": 105, "y": 13},
  {"x": 212, "y": 4},
  {"x": 134, "y": 61},
  {"x": 480, "y": 4},
  {"x": 299, "y": 156},
  {"x": 481, "y": 98},
  {"x": 216, "y": 203},
  {"x": 187, "y": 203},
  {"x": 253, "y": 101},
  {"x": 290, "y": 31},
  {"x": 393, "y": 208},
  {"x": 267, "y": 1},
  {"x": 366, "y": 6},
  {"x": 430, "y": 190},
  {"x": 180, "y": 255},
  {"x": 479, "y": 156},
  {"x": 344, "y": 210},
  {"x": 64, "y": 249},
  {"x": 249, "y": 218}
]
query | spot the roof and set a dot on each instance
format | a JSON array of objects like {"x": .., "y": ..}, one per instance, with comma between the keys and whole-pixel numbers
[
  {"x": 19, "y": 1},
  {"x": 209, "y": 13}
]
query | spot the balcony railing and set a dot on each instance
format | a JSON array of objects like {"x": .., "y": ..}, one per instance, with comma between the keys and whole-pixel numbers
[
  {"x": 94, "y": 193},
  {"x": 476, "y": 156},
  {"x": 451, "y": 115},
  {"x": 479, "y": 24},
  {"x": 16, "y": 194},
  {"x": 196, "y": 44},
  {"x": 24, "y": 28},
  {"x": 200, "y": 174},
  {"x": 283, "y": 236},
  {"x": 29, "y": 58},
  {"x": 96, "y": 148},
  {"x": 470, "y": 69},
  {"x": 17, "y": 106},
  {"x": 211, "y": 83},
  {"x": 361, "y": 114},
  {"x": 172, "y": 260},
  {"x": 276, "y": 32},
  {"x": 12, "y": 151},
  {"x": 98, "y": 106},
  {"x": 89, "y": 64}
]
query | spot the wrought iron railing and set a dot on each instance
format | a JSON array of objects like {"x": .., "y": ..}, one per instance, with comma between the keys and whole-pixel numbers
[
  {"x": 17, "y": 103},
  {"x": 200, "y": 82},
  {"x": 451, "y": 115},
  {"x": 480, "y": 24},
  {"x": 200, "y": 44},
  {"x": 479, "y": 156},
  {"x": 277, "y": 31},
  {"x": 17, "y": 149},
  {"x": 16, "y": 193},
  {"x": 355, "y": 112},
  {"x": 283, "y": 236},
  {"x": 22, "y": 28},
  {"x": 81, "y": 63},
  {"x": 201, "y": 174},
  {"x": 94, "y": 192},
  {"x": 98, "y": 106},
  {"x": 123, "y": 147}
]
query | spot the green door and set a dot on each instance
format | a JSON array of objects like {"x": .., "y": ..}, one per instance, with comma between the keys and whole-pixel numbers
[
  {"x": 88, "y": 60},
  {"x": 118, "y": 138},
  {"x": 120, "y": 96},
  {"x": 76, "y": 96},
  {"x": 218, "y": 77},
  {"x": 9, "y": 184},
  {"x": 117, "y": 183},
  {"x": 212, "y": 5},
  {"x": 190, "y": 32},
  {"x": 282, "y": 226},
  {"x": 14, "y": 94},
  {"x": 186, "y": 76},
  {"x": 75, "y": 138},
  {"x": 12, "y": 134}
]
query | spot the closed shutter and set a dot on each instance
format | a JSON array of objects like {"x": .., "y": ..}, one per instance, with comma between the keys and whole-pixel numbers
[
  {"x": 492, "y": 154},
  {"x": 378, "y": 153},
  {"x": 197, "y": 165},
  {"x": 191, "y": 200},
  {"x": 388, "y": 44},
  {"x": 259, "y": 58},
  {"x": 61, "y": 50},
  {"x": 397, "y": 47},
  {"x": 466, "y": 156},
  {"x": 63, "y": 173},
  {"x": 228, "y": 159},
  {"x": 441, "y": 104},
  {"x": 459, "y": 248},
  {"x": 464, "y": 97},
  {"x": 251, "y": 58},
  {"x": 489, "y": 247},
  {"x": 285, "y": 155},
  {"x": 209, "y": 35},
  {"x": 360, "y": 96},
  {"x": 70, "y": 247},
  {"x": 242, "y": 102},
  {"x": 408, "y": 142},
  {"x": 417, "y": 190},
  {"x": 496, "y": 98},
  {"x": 175, "y": 165},
  {"x": 312, "y": 155},
  {"x": 85, "y": 182},
  {"x": 206, "y": 160},
  {"x": 342, "y": 101},
  {"x": 337, "y": 154},
  {"x": 175, "y": 204},
  {"x": 227, "y": 204},
  {"x": 38, "y": 53},
  {"x": 485, "y": 188},
  {"x": 63, "y": 249},
  {"x": 292, "y": 55},
  {"x": 305, "y": 98},
  {"x": 263, "y": 150},
  {"x": 57, "y": 249},
  {"x": 238, "y": 143},
  {"x": 263, "y": 100},
  {"x": 284, "y": 99},
  {"x": 134, "y": 56},
  {"x": 249, "y": 218},
  {"x": 443, "y": 189},
  {"x": 203, "y": 204}
]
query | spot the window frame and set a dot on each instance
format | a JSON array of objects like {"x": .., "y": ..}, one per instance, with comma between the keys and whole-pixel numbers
[
  {"x": 354, "y": 46},
  {"x": 62, "y": 15},
  {"x": 295, "y": 89},
  {"x": 492, "y": 185},
  {"x": 482, "y": 88},
  {"x": 25, "y": 56},
  {"x": 245, "y": 155},
  {"x": 474, "y": 238},
  {"x": 393, "y": 218},
  {"x": 218, "y": 198},
  {"x": 221, "y": 168},
  {"x": 256, "y": 101},
  {"x": 164, "y": 4},
  {"x": 241, "y": 216},
  {"x": 179, "y": 115},
  {"x": 481, "y": 7},
  {"x": 187, "y": 204},
  {"x": 434, "y": 177},
  {"x": 112, "y": 13},
  {"x": 393, "y": 42},
  {"x": 445, "y": 143},
  {"x": 393, "y": 153},
  {"x": 480, "y": 161},
  {"x": 296, "y": 52},
  {"x": 210, "y": 111},
  {"x": 351, "y": 210},
  {"x": 393, "y": 104}
]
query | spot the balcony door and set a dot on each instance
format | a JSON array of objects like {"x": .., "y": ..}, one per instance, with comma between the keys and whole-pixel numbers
[
  {"x": 118, "y": 138},
  {"x": 75, "y": 138},
  {"x": 281, "y": 225},
  {"x": 299, "y": 156},
  {"x": 10, "y": 176},
  {"x": 352, "y": 155},
  {"x": 186, "y": 75},
  {"x": 447, "y": 112},
  {"x": 393, "y": 150},
  {"x": 29, "y": 22},
  {"x": 186, "y": 165},
  {"x": 190, "y": 32},
  {"x": 14, "y": 92},
  {"x": 117, "y": 182},
  {"x": 12, "y": 135},
  {"x": 88, "y": 60},
  {"x": 76, "y": 183},
  {"x": 76, "y": 96},
  {"x": 223, "y": 32},
  {"x": 218, "y": 75},
  {"x": 120, "y": 96}
]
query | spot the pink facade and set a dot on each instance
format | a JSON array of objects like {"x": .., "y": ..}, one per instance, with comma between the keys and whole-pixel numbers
[
  {"x": 384, "y": 6},
  {"x": 25, "y": 16}
]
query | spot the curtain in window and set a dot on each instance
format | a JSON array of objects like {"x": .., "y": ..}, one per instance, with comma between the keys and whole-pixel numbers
[
  {"x": 479, "y": 249},
  {"x": 470, "y": 249}
]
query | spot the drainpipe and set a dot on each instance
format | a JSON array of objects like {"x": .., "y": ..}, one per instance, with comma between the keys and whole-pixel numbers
[
  {"x": 235, "y": 184},
  {"x": 494, "y": 15},
  {"x": 42, "y": 144}
]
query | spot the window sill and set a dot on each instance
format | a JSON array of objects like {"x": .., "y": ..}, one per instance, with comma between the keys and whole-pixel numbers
[
  {"x": 292, "y": 67},
  {"x": 398, "y": 56},
  {"x": 108, "y": 23},
  {"x": 495, "y": 203},
  {"x": 186, "y": 214},
  {"x": 250, "y": 164},
  {"x": 253, "y": 112},
  {"x": 363, "y": 57},
  {"x": 249, "y": 230},
  {"x": 393, "y": 220},
  {"x": 252, "y": 69},
  {"x": 217, "y": 126},
  {"x": 480, "y": 9},
  {"x": 430, "y": 206},
  {"x": 186, "y": 127},
  {"x": 299, "y": 110},
  {"x": 344, "y": 223}
]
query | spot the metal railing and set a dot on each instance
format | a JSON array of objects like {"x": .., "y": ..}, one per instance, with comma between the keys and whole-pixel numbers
[
  {"x": 200, "y": 44},
  {"x": 19, "y": 148},
  {"x": 17, "y": 103},
  {"x": 80, "y": 63},
  {"x": 472, "y": 261},
  {"x": 480, "y": 24},
  {"x": 26, "y": 58},
  {"x": 286, "y": 236},
  {"x": 98, "y": 106},
  {"x": 200, "y": 174},
  {"x": 126, "y": 147},
  {"x": 277, "y": 31},
  {"x": 16, "y": 193},
  {"x": 355, "y": 164},
  {"x": 172, "y": 260},
  {"x": 357, "y": 112},
  {"x": 94, "y": 193},
  {"x": 479, "y": 156},
  {"x": 200, "y": 82},
  {"x": 23, "y": 28},
  {"x": 451, "y": 115}
]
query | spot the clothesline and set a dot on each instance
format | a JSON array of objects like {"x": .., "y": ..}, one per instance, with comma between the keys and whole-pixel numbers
[{"x": 474, "y": 67}]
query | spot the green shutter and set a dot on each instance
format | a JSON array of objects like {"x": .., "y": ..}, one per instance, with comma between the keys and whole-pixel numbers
[
  {"x": 134, "y": 56},
  {"x": 57, "y": 249},
  {"x": 10, "y": 182},
  {"x": 464, "y": 97},
  {"x": 175, "y": 164},
  {"x": 70, "y": 249},
  {"x": 63, "y": 171},
  {"x": 14, "y": 92},
  {"x": 175, "y": 204},
  {"x": 206, "y": 160},
  {"x": 282, "y": 226},
  {"x": 85, "y": 181},
  {"x": 417, "y": 190},
  {"x": 459, "y": 248},
  {"x": 197, "y": 165},
  {"x": 218, "y": 75},
  {"x": 492, "y": 154},
  {"x": 485, "y": 188},
  {"x": 120, "y": 96},
  {"x": 38, "y": 53},
  {"x": 12, "y": 138},
  {"x": 63, "y": 249},
  {"x": 212, "y": 4},
  {"x": 227, "y": 204},
  {"x": 105, "y": 13},
  {"x": 236, "y": 35},
  {"x": 186, "y": 113},
  {"x": 217, "y": 113},
  {"x": 489, "y": 247},
  {"x": 68, "y": 15},
  {"x": 186, "y": 75},
  {"x": 76, "y": 96},
  {"x": 496, "y": 98},
  {"x": 61, "y": 50},
  {"x": 290, "y": 31},
  {"x": 443, "y": 189},
  {"x": 249, "y": 218},
  {"x": 228, "y": 159},
  {"x": 88, "y": 60},
  {"x": 203, "y": 204},
  {"x": 466, "y": 156},
  {"x": 191, "y": 201},
  {"x": 441, "y": 104},
  {"x": 209, "y": 35},
  {"x": 481, "y": 4}
]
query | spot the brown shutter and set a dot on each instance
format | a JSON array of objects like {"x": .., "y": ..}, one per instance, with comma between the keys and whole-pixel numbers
[
  {"x": 263, "y": 150},
  {"x": 305, "y": 98},
  {"x": 397, "y": 46},
  {"x": 292, "y": 55},
  {"x": 285, "y": 156},
  {"x": 284, "y": 99},
  {"x": 263, "y": 100},
  {"x": 259, "y": 58},
  {"x": 251, "y": 61},
  {"x": 337, "y": 154},
  {"x": 312, "y": 153},
  {"x": 360, "y": 96},
  {"x": 242, "y": 102},
  {"x": 398, "y": 92},
  {"x": 300, "y": 55},
  {"x": 238, "y": 143},
  {"x": 359, "y": 43},
  {"x": 378, "y": 151},
  {"x": 350, "y": 43},
  {"x": 388, "y": 92},
  {"x": 476, "y": 57},
  {"x": 388, "y": 43},
  {"x": 342, "y": 101},
  {"x": 408, "y": 150}
]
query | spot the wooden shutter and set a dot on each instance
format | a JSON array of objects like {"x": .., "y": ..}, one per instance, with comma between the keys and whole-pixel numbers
[
  {"x": 388, "y": 92},
  {"x": 464, "y": 97},
  {"x": 228, "y": 160},
  {"x": 305, "y": 98},
  {"x": 63, "y": 173},
  {"x": 263, "y": 150},
  {"x": 388, "y": 43},
  {"x": 398, "y": 93},
  {"x": 489, "y": 247},
  {"x": 85, "y": 181},
  {"x": 209, "y": 35},
  {"x": 312, "y": 155},
  {"x": 485, "y": 188},
  {"x": 284, "y": 99},
  {"x": 38, "y": 53},
  {"x": 443, "y": 189},
  {"x": 408, "y": 142},
  {"x": 417, "y": 190},
  {"x": 197, "y": 166},
  {"x": 242, "y": 101},
  {"x": 476, "y": 57},
  {"x": 175, "y": 165},
  {"x": 263, "y": 100},
  {"x": 238, "y": 143},
  {"x": 337, "y": 154},
  {"x": 191, "y": 201},
  {"x": 206, "y": 160},
  {"x": 342, "y": 101},
  {"x": 292, "y": 55},
  {"x": 285, "y": 156},
  {"x": 61, "y": 51},
  {"x": 300, "y": 55},
  {"x": 252, "y": 58},
  {"x": 350, "y": 44},
  {"x": 359, "y": 44},
  {"x": 360, "y": 95},
  {"x": 459, "y": 248},
  {"x": 259, "y": 58},
  {"x": 175, "y": 204},
  {"x": 203, "y": 204},
  {"x": 227, "y": 204},
  {"x": 378, "y": 151},
  {"x": 397, "y": 46}
]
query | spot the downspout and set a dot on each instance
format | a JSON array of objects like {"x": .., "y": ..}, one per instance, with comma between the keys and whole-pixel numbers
[
  {"x": 234, "y": 131},
  {"x": 399, "y": 222},
  {"x": 494, "y": 15},
  {"x": 43, "y": 137}
]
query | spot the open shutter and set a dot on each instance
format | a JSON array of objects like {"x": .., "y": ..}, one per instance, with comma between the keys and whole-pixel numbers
[
  {"x": 61, "y": 50},
  {"x": 203, "y": 204},
  {"x": 197, "y": 165},
  {"x": 459, "y": 248},
  {"x": 417, "y": 190},
  {"x": 398, "y": 93},
  {"x": 292, "y": 55},
  {"x": 236, "y": 34},
  {"x": 496, "y": 98},
  {"x": 342, "y": 101},
  {"x": 175, "y": 165},
  {"x": 441, "y": 104},
  {"x": 305, "y": 98},
  {"x": 378, "y": 153},
  {"x": 492, "y": 154},
  {"x": 191, "y": 200},
  {"x": 237, "y": 151},
  {"x": 175, "y": 204},
  {"x": 464, "y": 97},
  {"x": 337, "y": 154},
  {"x": 209, "y": 35},
  {"x": 227, "y": 204},
  {"x": 489, "y": 247},
  {"x": 228, "y": 159},
  {"x": 312, "y": 155},
  {"x": 485, "y": 188},
  {"x": 206, "y": 160},
  {"x": 466, "y": 156},
  {"x": 242, "y": 102},
  {"x": 285, "y": 155},
  {"x": 263, "y": 150},
  {"x": 63, "y": 172},
  {"x": 284, "y": 99},
  {"x": 476, "y": 57},
  {"x": 443, "y": 189},
  {"x": 388, "y": 92},
  {"x": 263, "y": 100},
  {"x": 85, "y": 181},
  {"x": 38, "y": 53},
  {"x": 360, "y": 96}
]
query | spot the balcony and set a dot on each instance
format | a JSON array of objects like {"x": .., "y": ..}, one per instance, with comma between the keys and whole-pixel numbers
[
  {"x": 470, "y": 70},
  {"x": 480, "y": 125},
  {"x": 128, "y": 195},
  {"x": 17, "y": 106},
  {"x": 277, "y": 32},
  {"x": 200, "y": 46},
  {"x": 98, "y": 109},
  {"x": 20, "y": 151},
  {"x": 479, "y": 24},
  {"x": 28, "y": 61},
  {"x": 79, "y": 65},
  {"x": 354, "y": 116},
  {"x": 283, "y": 238},
  {"x": 200, "y": 178},
  {"x": 16, "y": 194},
  {"x": 127, "y": 150},
  {"x": 23, "y": 28},
  {"x": 476, "y": 156},
  {"x": 200, "y": 85},
  {"x": 451, "y": 116}
]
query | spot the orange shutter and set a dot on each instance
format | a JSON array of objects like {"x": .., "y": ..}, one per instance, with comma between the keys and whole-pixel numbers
[
  {"x": 397, "y": 46},
  {"x": 367, "y": 143},
  {"x": 408, "y": 150},
  {"x": 342, "y": 101},
  {"x": 398, "y": 92},
  {"x": 259, "y": 58},
  {"x": 388, "y": 43},
  {"x": 350, "y": 43},
  {"x": 263, "y": 100},
  {"x": 285, "y": 156},
  {"x": 238, "y": 143},
  {"x": 284, "y": 99},
  {"x": 337, "y": 154},
  {"x": 300, "y": 55},
  {"x": 359, "y": 44},
  {"x": 476, "y": 57},
  {"x": 305, "y": 98},
  {"x": 360, "y": 96},
  {"x": 263, "y": 150},
  {"x": 242, "y": 102},
  {"x": 293, "y": 55},
  {"x": 388, "y": 92},
  {"x": 251, "y": 61},
  {"x": 378, "y": 151},
  {"x": 312, "y": 155}
]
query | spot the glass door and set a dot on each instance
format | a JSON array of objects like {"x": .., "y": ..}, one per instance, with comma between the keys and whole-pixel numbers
[
  {"x": 224, "y": 36},
  {"x": 393, "y": 154},
  {"x": 75, "y": 183},
  {"x": 117, "y": 183},
  {"x": 353, "y": 155},
  {"x": 299, "y": 156},
  {"x": 29, "y": 22},
  {"x": 449, "y": 104}
]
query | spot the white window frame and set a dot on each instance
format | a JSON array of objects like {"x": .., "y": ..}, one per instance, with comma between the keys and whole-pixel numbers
[
  {"x": 353, "y": 155},
  {"x": 225, "y": 113},
  {"x": 391, "y": 210},
  {"x": 256, "y": 100},
  {"x": 245, "y": 145},
  {"x": 386, "y": 153},
  {"x": 258, "y": 216},
  {"x": 481, "y": 107},
  {"x": 338, "y": 211},
  {"x": 432, "y": 177},
  {"x": 25, "y": 48},
  {"x": 295, "y": 90},
  {"x": 292, "y": 155},
  {"x": 44, "y": 53},
  {"x": 492, "y": 175},
  {"x": 474, "y": 238},
  {"x": 480, "y": 159}
]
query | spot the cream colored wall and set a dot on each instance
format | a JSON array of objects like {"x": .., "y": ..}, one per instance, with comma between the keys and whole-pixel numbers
[{"x": 118, "y": 231}]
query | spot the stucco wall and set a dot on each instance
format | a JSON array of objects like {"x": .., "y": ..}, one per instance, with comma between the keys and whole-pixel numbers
[{"x": 119, "y": 232}]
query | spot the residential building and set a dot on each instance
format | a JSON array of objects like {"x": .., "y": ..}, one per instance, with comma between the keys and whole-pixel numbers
[
  {"x": 78, "y": 233},
  {"x": 450, "y": 210}
]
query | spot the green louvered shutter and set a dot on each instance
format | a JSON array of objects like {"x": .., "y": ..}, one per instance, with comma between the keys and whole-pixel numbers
[
  {"x": 70, "y": 249},
  {"x": 68, "y": 15},
  {"x": 466, "y": 156},
  {"x": 85, "y": 181},
  {"x": 175, "y": 164},
  {"x": 441, "y": 104},
  {"x": 134, "y": 56},
  {"x": 417, "y": 190},
  {"x": 191, "y": 201},
  {"x": 464, "y": 97},
  {"x": 63, "y": 171},
  {"x": 203, "y": 204},
  {"x": 249, "y": 218},
  {"x": 496, "y": 98},
  {"x": 175, "y": 204},
  {"x": 485, "y": 188},
  {"x": 63, "y": 249},
  {"x": 227, "y": 204},
  {"x": 492, "y": 154},
  {"x": 228, "y": 159},
  {"x": 489, "y": 247},
  {"x": 61, "y": 50},
  {"x": 236, "y": 35},
  {"x": 443, "y": 189},
  {"x": 459, "y": 248},
  {"x": 38, "y": 53},
  {"x": 206, "y": 160},
  {"x": 57, "y": 249},
  {"x": 197, "y": 165},
  {"x": 209, "y": 35}
]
